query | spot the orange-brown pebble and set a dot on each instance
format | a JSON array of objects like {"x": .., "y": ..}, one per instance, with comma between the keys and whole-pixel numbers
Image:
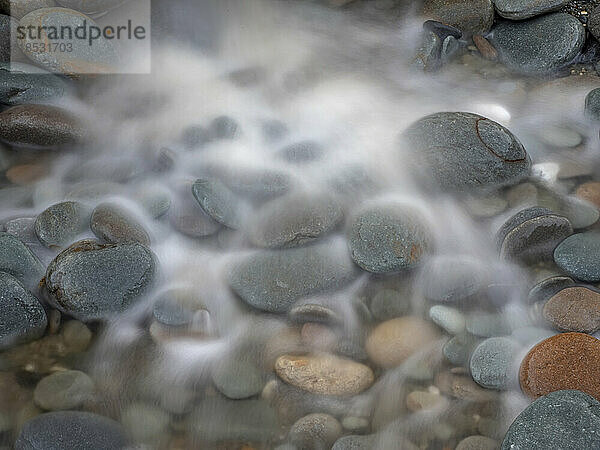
[
  {"x": 574, "y": 309},
  {"x": 590, "y": 191},
  {"x": 393, "y": 341},
  {"x": 25, "y": 173},
  {"x": 563, "y": 361},
  {"x": 486, "y": 49}
]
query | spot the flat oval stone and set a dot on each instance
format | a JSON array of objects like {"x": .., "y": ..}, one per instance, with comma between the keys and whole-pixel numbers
[
  {"x": 462, "y": 151},
  {"x": 101, "y": 57},
  {"x": 68, "y": 389},
  {"x": 468, "y": 16},
  {"x": 547, "y": 288},
  {"x": 579, "y": 256},
  {"x": 393, "y": 341},
  {"x": 563, "y": 361},
  {"x": 22, "y": 317},
  {"x": 324, "y": 374},
  {"x": 450, "y": 319},
  {"x": 312, "y": 312},
  {"x": 237, "y": 379},
  {"x": 60, "y": 224},
  {"x": 492, "y": 363},
  {"x": 39, "y": 126},
  {"x": 273, "y": 280},
  {"x": 293, "y": 220},
  {"x": 459, "y": 348},
  {"x": 114, "y": 225},
  {"x": 22, "y": 83},
  {"x": 18, "y": 8},
  {"x": 590, "y": 191},
  {"x": 388, "y": 238},
  {"x": 187, "y": 217},
  {"x": 17, "y": 260},
  {"x": 219, "y": 202},
  {"x": 92, "y": 7},
  {"x": 315, "y": 430},
  {"x": 92, "y": 281},
  {"x": 541, "y": 45},
  {"x": 169, "y": 311},
  {"x": 524, "y": 9},
  {"x": 574, "y": 309},
  {"x": 568, "y": 419},
  {"x": 74, "y": 430}
]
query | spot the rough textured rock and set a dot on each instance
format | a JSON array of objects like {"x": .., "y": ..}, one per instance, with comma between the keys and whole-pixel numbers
[
  {"x": 315, "y": 431},
  {"x": 60, "y": 224},
  {"x": 492, "y": 363},
  {"x": 524, "y": 9},
  {"x": 219, "y": 202},
  {"x": 574, "y": 309},
  {"x": 579, "y": 256},
  {"x": 17, "y": 260},
  {"x": 114, "y": 224},
  {"x": 22, "y": 83}
]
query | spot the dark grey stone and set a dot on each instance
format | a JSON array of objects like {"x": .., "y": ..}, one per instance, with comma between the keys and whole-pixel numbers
[
  {"x": 18, "y": 8},
  {"x": 579, "y": 256},
  {"x": 388, "y": 238},
  {"x": 301, "y": 152},
  {"x": 311, "y": 312},
  {"x": 274, "y": 280},
  {"x": 186, "y": 215},
  {"x": 592, "y": 102},
  {"x": 92, "y": 281},
  {"x": 22, "y": 317},
  {"x": 524, "y": 9},
  {"x": 461, "y": 151},
  {"x": 427, "y": 55},
  {"x": 459, "y": 348},
  {"x": 593, "y": 23},
  {"x": 492, "y": 363},
  {"x": 17, "y": 260},
  {"x": 60, "y": 224},
  {"x": 74, "y": 430},
  {"x": 23, "y": 83},
  {"x": 471, "y": 17},
  {"x": 219, "y": 202},
  {"x": 566, "y": 420},
  {"x": 539, "y": 46},
  {"x": 548, "y": 288},
  {"x": 168, "y": 311},
  {"x": 113, "y": 224}
]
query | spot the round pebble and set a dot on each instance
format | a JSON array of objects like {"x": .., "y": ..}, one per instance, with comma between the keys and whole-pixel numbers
[
  {"x": 579, "y": 256},
  {"x": 60, "y": 224},
  {"x": 492, "y": 365},
  {"x": 315, "y": 431},
  {"x": 574, "y": 309},
  {"x": 17, "y": 260},
  {"x": 63, "y": 390},
  {"x": 219, "y": 202},
  {"x": 590, "y": 192},
  {"x": 113, "y": 224},
  {"x": 23, "y": 83},
  {"x": 524, "y": 9},
  {"x": 450, "y": 319},
  {"x": 237, "y": 379},
  {"x": 592, "y": 100}
]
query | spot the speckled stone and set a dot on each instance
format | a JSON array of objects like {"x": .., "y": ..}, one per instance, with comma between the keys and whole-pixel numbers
[
  {"x": 462, "y": 387},
  {"x": 91, "y": 281},
  {"x": 355, "y": 442},
  {"x": 22, "y": 83},
  {"x": 563, "y": 361},
  {"x": 274, "y": 280},
  {"x": 590, "y": 191},
  {"x": 63, "y": 390},
  {"x": 574, "y": 309},
  {"x": 22, "y": 317},
  {"x": 60, "y": 224},
  {"x": 579, "y": 256},
  {"x": 169, "y": 311},
  {"x": 237, "y": 379},
  {"x": 388, "y": 238},
  {"x": 39, "y": 126},
  {"x": 459, "y": 348},
  {"x": 18, "y": 8},
  {"x": 294, "y": 220},
  {"x": 541, "y": 45},
  {"x": 313, "y": 312},
  {"x": 113, "y": 224},
  {"x": 594, "y": 22},
  {"x": 74, "y": 430},
  {"x": 301, "y": 152},
  {"x": 524, "y": 9},
  {"x": 101, "y": 57},
  {"x": 8, "y": 33},
  {"x": 315, "y": 431},
  {"x": 478, "y": 443},
  {"x": 546, "y": 288},
  {"x": 468, "y": 16},
  {"x": 324, "y": 374},
  {"x": 428, "y": 53},
  {"x": 492, "y": 365},
  {"x": 450, "y": 319},
  {"x": 393, "y": 341},
  {"x": 567, "y": 419},
  {"x": 452, "y": 278},
  {"x": 462, "y": 151},
  {"x": 17, "y": 260},
  {"x": 532, "y": 234},
  {"x": 219, "y": 202},
  {"x": 187, "y": 217}
]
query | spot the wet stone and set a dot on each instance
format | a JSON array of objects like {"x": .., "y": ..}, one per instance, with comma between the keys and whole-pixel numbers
[
  {"x": 452, "y": 278},
  {"x": 91, "y": 281},
  {"x": 113, "y": 224},
  {"x": 579, "y": 256},
  {"x": 462, "y": 151},
  {"x": 450, "y": 319},
  {"x": 18, "y": 8},
  {"x": 574, "y": 309},
  {"x": 467, "y": 16},
  {"x": 593, "y": 24},
  {"x": 70, "y": 429},
  {"x": 388, "y": 238},
  {"x": 237, "y": 379},
  {"x": 312, "y": 312},
  {"x": 524, "y": 9},
  {"x": 63, "y": 390},
  {"x": 355, "y": 442},
  {"x": 389, "y": 303},
  {"x": 459, "y": 348},
  {"x": 541, "y": 45},
  {"x": 427, "y": 55},
  {"x": 22, "y": 317},
  {"x": 492, "y": 365},
  {"x": 76, "y": 336},
  {"x": 301, "y": 152},
  {"x": 8, "y": 30},
  {"x": 315, "y": 431},
  {"x": 187, "y": 217},
  {"x": 60, "y": 224},
  {"x": 592, "y": 100},
  {"x": 170, "y": 312},
  {"x": 565, "y": 419},
  {"x": 219, "y": 202},
  {"x": 22, "y": 83},
  {"x": 548, "y": 288},
  {"x": 17, "y": 260}
]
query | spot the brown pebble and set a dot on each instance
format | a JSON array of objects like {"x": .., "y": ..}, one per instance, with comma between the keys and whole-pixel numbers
[
  {"x": 462, "y": 387},
  {"x": 574, "y": 309},
  {"x": 563, "y": 361},
  {"x": 24, "y": 174},
  {"x": 486, "y": 49},
  {"x": 421, "y": 400},
  {"x": 590, "y": 191}
]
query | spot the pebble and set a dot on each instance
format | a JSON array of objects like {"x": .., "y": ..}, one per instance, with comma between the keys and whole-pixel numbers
[
  {"x": 427, "y": 55},
  {"x": 450, "y": 319},
  {"x": 74, "y": 430},
  {"x": 355, "y": 424},
  {"x": 8, "y": 33},
  {"x": 565, "y": 419},
  {"x": 532, "y": 234},
  {"x": 60, "y": 224},
  {"x": 91, "y": 281},
  {"x": 17, "y": 260},
  {"x": 294, "y": 220},
  {"x": 491, "y": 363},
  {"x": 590, "y": 192},
  {"x": 462, "y": 151},
  {"x": 355, "y": 442},
  {"x": 63, "y": 390},
  {"x": 468, "y": 16},
  {"x": 477, "y": 443},
  {"x": 579, "y": 256},
  {"x": 574, "y": 309},
  {"x": 301, "y": 152},
  {"x": 563, "y": 361},
  {"x": 487, "y": 324},
  {"x": 219, "y": 202},
  {"x": 592, "y": 99},
  {"x": 22, "y": 317},
  {"x": 486, "y": 49},
  {"x": 423, "y": 400},
  {"x": 393, "y": 341},
  {"x": 389, "y": 303},
  {"x": 23, "y": 83},
  {"x": 462, "y": 387},
  {"x": 593, "y": 23},
  {"x": 273, "y": 280},
  {"x": 224, "y": 127},
  {"x": 84, "y": 58},
  {"x": 318, "y": 337},
  {"x": 315, "y": 431},
  {"x": 171, "y": 311},
  {"x": 388, "y": 238},
  {"x": 146, "y": 423},
  {"x": 524, "y": 9},
  {"x": 237, "y": 379},
  {"x": 541, "y": 45},
  {"x": 187, "y": 217},
  {"x": 312, "y": 312},
  {"x": 324, "y": 374},
  {"x": 450, "y": 279},
  {"x": 18, "y": 8},
  {"x": 40, "y": 126},
  {"x": 113, "y": 224},
  {"x": 560, "y": 137},
  {"x": 459, "y": 348},
  {"x": 547, "y": 288},
  {"x": 155, "y": 200},
  {"x": 76, "y": 336}
]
